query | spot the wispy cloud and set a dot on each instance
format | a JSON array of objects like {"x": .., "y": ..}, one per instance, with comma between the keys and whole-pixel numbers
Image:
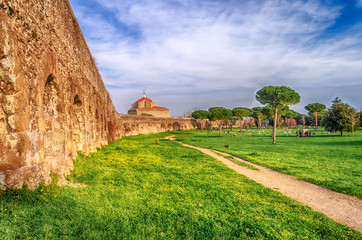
[
  {"x": 205, "y": 53},
  {"x": 359, "y": 3}
]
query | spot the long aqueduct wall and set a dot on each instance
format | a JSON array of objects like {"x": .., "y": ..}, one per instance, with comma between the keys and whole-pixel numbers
[{"x": 53, "y": 102}]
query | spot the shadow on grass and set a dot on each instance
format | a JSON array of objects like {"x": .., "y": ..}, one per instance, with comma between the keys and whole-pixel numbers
[
  {"x": 327, "y": 136},
  {"x": 340, "y": 143}
]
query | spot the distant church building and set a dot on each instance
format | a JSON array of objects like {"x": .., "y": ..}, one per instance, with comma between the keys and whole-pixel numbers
[{"x": 145, "y": 106}]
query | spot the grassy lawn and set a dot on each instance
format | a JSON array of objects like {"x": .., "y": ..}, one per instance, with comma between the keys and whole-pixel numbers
[
  {"x": 328, "y": 160},
  {"x": 137, "y": 189}
]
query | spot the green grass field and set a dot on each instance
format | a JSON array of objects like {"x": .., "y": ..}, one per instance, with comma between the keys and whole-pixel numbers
[
  {"x": 137, "y": 189},
  {"x": 328, "y": 160}
]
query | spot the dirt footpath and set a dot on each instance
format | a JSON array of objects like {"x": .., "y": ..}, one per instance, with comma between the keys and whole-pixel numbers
[{"x": 338, "y": 206}]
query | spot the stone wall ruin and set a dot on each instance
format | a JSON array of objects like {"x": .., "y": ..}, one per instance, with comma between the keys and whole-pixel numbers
[{"x": 53, "y": 102}]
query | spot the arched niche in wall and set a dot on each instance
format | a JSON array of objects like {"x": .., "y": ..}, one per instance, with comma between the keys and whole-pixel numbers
[
  {"x": 50, "y": 96},
  {"x": 78, "y": 123},
  {"x": 77, "y": 101},
  {"x": 78, "y": 109},
  {"x": 176, "y": 126},
  {"x": 54, "y": 137}
]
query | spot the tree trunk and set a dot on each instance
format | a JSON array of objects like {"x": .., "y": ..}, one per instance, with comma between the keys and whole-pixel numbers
[
  {"x": 241, "y": 126},
  {"x": 220, "y": 127},
  {"x": 259, "y": 124},
  {"x": 207, "y": 137},
  {"x": 341, "y": 133},
  {"x": 275, "y": 124},
  {"x": 353, "y": 123},
  {"x": 316, "y": 120}
]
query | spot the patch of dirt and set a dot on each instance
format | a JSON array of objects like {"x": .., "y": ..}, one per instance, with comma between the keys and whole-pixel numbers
[
  {"x": 340, "y": 207},
  {"x": 170, "y": 138}
]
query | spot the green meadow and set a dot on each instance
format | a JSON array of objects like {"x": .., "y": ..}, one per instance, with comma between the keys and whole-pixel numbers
[
  {"x": 328, "y": 160},
  {"x": 138, "y": 189}
]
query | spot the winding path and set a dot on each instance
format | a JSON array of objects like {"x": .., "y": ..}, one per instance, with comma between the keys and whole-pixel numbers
[{"x": 338, "y": 206}]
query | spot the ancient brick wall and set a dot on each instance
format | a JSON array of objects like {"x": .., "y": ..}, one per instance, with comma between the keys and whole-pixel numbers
[
  {"x": 52, "y": 99},
  {"x": 158, "y": 112},
  {"x": 133, "y": 125}
]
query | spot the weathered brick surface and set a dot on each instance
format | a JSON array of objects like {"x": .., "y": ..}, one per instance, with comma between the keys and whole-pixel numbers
[
  {"x": 133, "y": 125},
  {"x": 52, "y": 99}
]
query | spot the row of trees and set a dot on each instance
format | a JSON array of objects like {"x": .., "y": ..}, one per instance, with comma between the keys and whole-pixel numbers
[{"x": 339, "y": 117}]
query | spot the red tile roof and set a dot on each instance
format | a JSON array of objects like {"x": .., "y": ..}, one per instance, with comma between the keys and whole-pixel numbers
[
  {"x": 144, "y": 99},
  {"x": 148, "y": 108}
]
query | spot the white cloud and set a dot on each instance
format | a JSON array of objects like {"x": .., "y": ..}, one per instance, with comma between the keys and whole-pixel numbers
[{"x": 188, "y": 49}]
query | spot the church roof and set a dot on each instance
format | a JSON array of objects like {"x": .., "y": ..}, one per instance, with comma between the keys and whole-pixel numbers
[
  {"x": 144, "y": 99},
  {"x": 149, "y": 108}
]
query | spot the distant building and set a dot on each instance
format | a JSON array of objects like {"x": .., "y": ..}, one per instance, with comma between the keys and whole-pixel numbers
[{"x": 145, "y": 106}]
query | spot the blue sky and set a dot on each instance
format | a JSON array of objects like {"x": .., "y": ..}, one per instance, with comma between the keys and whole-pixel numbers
[{"x": 195, "y": 54}]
